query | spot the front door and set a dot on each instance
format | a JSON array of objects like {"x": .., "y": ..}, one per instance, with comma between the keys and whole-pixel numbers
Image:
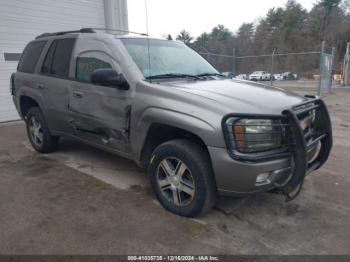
[{"x": 99, "y": 114}]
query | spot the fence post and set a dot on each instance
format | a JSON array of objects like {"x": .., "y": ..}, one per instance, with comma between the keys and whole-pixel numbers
[
  {"x": 346, "y": 66},
  {"x": 323, "y": 45},
  {"x": 272, "y": 66},
  {"x": 331, "y": 69},
  {"x": 234, "y": 62}
]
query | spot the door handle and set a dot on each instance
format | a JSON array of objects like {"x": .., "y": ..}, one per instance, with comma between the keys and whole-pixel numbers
[
  {"x": 77, "y": 94},
  {"x": 40, "y": 86}
]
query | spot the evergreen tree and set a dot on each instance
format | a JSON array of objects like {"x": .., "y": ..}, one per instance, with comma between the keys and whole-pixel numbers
[{"x": 185, "y": 37}]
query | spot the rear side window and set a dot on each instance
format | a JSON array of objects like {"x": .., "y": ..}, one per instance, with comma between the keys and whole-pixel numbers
[
  {"x": 90, "y": 61},
  {"x": 46, "y": 67},
  {"x": 58, "y": 58},
  {"x": 30, "y": 56}
]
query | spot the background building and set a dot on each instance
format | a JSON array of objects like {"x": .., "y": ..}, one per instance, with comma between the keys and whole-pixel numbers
[{"x": 22, "y": 20}]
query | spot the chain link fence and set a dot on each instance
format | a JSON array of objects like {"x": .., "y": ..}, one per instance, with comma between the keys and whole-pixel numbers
[
  {"x": 222, "y": 62},
  {"x": 308, "y": 72}
]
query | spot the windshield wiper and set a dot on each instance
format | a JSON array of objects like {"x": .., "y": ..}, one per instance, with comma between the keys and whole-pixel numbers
[
  {"x": 172, "y": 75},
  {"x": 210, "y": 74}
]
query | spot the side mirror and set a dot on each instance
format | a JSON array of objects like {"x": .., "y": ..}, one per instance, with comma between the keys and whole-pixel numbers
[{"x": 109, "y": 77}]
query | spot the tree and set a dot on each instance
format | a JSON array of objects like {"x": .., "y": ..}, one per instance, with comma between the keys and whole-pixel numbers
[
  {"x": 345, "y": 5},
  {"x": 286, "y": 29},
  {"x": 222, "y": 33},
  {"x": 292, "y": 23},
  {"x": 185, "y": 37},
  {"x": 202, "y": 40},
  {"x": 246, "y": 31},
  {"x": 274, "y": 17},
  {"x": 330, "y": 4},
  {"x": 245, "y": 35}
]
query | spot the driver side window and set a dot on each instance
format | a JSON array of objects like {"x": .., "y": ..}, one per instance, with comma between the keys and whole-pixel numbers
[{"x": 88, "y": 62}]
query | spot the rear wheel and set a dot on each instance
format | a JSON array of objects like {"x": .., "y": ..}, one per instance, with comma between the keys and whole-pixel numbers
[
  {"x": 38, "y": 132},
  {"x": 181, "y": 178}
]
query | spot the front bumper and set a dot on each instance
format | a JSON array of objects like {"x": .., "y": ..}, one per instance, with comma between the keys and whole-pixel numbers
[{"x": 236, "y": 175}]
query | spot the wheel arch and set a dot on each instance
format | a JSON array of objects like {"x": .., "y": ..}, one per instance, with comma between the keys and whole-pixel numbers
[
  {"x": 25, "y": 103},
  {"x": 159, "y": 133}
]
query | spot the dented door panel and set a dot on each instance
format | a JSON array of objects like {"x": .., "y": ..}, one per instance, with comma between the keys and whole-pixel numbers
[{"x": 99, "y": 114}]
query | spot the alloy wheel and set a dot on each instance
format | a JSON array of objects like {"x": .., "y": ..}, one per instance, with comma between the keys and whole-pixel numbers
[
  {"x": 175, "y": 181},
  {"x": 35, "y": 131}
]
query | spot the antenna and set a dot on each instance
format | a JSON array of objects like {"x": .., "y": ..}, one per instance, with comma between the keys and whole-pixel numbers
[{"x": 148, "y": 44}]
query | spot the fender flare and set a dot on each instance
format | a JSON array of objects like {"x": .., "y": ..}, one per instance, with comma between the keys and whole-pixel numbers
[
  {"x": 154, "y": 115},
  {"x": 32, "y": 94}
]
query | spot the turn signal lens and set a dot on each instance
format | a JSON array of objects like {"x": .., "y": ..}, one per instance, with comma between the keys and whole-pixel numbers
[{"x": 239, "y": 134}]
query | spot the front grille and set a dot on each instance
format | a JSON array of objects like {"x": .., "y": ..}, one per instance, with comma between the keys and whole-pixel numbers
[
  {"x": 311, "y": 124},
  {"x": 306, "y": 123}
]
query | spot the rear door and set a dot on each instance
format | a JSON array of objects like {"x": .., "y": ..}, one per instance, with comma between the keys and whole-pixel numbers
[
  {"x": 100, "y": 114},
  {"x": 54, "y": 83},
  {"x": 26, "y": 75}
]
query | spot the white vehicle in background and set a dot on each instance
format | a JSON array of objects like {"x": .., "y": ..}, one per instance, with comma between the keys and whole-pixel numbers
[
  {"x": 278, "y": 77},
  {"x": 227, "y": 74},
  {"x": 289, "y": 76},
  {"x": 260, "y": 76},
  {"x": 242, "y": 76}
]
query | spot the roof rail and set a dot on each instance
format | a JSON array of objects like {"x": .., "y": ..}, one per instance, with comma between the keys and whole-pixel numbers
[
  {"x": 89, "y": 30},
  {"x": 83, "y": 30},
  {"x": 114, "y": 30}
]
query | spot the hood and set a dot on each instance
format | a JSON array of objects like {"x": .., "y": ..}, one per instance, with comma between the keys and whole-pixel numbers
[{"x": 239, "y": 96}]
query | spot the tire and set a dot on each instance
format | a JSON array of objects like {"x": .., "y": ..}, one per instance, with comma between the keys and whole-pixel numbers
[
  {"x": 39, "y": 133},
  {"x": 181, "y": 178}
]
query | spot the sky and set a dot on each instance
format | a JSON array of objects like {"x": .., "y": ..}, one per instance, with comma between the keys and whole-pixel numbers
[{"x": 198, "y": 16}]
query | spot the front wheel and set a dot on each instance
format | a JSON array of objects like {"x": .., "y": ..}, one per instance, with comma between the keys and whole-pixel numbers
[{"x": 181, "y": 177}]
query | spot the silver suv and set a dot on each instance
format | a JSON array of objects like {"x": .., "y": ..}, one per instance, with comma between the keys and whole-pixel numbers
[{"x": 162, "y": 105}]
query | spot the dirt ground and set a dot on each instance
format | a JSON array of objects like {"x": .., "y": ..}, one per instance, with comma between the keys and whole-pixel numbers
[{"x": 81, "y": 200}]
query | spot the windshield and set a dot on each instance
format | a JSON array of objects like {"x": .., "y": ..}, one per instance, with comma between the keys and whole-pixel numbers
[{"x": 166, "y": 58}]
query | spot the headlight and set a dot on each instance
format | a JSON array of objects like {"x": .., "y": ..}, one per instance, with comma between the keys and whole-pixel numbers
[{"x": 257, "y": 135}]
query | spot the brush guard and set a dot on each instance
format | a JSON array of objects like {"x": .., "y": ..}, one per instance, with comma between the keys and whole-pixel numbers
[
  {"x": 308, "y": 124},
  {"x": 305, "y": 139}
]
